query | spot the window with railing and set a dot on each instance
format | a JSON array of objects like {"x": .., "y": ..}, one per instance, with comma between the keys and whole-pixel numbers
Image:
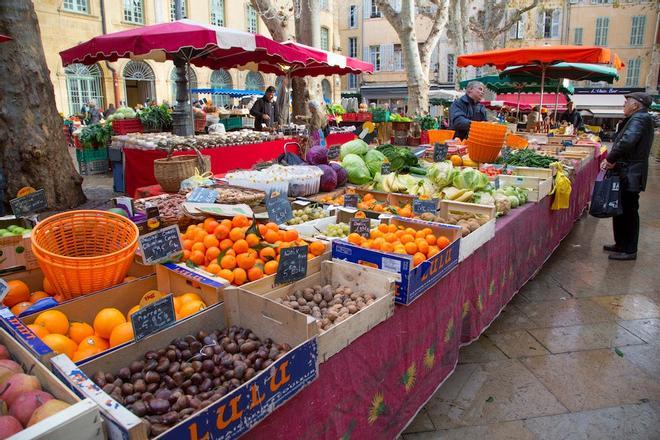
[
  {"x": 352, "y": 81},
  {"x": 352, "y": 16},
  {"x": 451, "y": 67},
  {"x": 374, "y": 57},
  {"x": 83, "y": 83},
  {"x": 134, "y": 11},
  {"x": 325, "y": 38},
  {"x": 375, "y": 12},
  {"x": 352, "y": 47},
  {"x": 184, "y": 10},
  {"x": 602, "y": 25},
  {"x": 252, "y": 20},
  {"x": 632, "y": 76},
  {"x": 217, "y": 12},
  {"x": 637, "y": 30},
  {"x": 80, "y": 6},
  {"x": 577, "y": 36}
]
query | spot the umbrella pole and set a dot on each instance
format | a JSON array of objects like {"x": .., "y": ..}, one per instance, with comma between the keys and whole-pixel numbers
[
  {"x": 190, "y": 104},
  {"x": 518, "y": 105},
  {"x": 557, "y": 100},
  {"x": 542, "y": 85}
]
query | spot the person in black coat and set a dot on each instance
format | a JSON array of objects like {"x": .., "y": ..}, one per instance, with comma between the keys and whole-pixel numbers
[
  {"x": 467, "y": 109},
  {"x": 629, "y": 159},
  {"x": 572, "y": 116},
  {"x": 265, "y": 111}
]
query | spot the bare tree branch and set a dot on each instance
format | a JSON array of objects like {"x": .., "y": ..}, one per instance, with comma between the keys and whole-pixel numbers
[
  {"x": 439, "y": 22},
  {"x": 276, "y": 20},
  {"x": 497, "y": 10},
  {"x": 392, "y": 16}
]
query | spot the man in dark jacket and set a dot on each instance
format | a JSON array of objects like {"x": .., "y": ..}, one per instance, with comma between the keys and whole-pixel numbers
[
  {"x": 629, "y": 159},
  {"x": 265, "y": 111},
  {"x": 572, "y": 116},
  {"x": 467, "y": 109}
]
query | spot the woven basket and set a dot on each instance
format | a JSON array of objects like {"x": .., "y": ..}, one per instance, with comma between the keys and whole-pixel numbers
[
  {"x": 84, "y": 251},
  {"x": 172, "y": 170}
]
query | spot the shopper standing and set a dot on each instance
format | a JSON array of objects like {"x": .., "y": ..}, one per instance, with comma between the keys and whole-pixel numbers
[
  {"x": 629, "y": 159},
  {"x": 265, "y": 111},
  {"x": 467, "y": 109}
]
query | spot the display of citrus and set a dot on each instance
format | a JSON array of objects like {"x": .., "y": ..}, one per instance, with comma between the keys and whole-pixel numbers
[
  {"x": 94, "y": 341},
  {"x": 84, "y": 353},
  {"x": 17, "y": 292},
  {"x": 21, "y": 307},
  {"x": 122, "y": 333},
  {"x": 37, "y": 295},
  {"x": 60, "y": 344},
  {"x": 54, "y": 321},
  {"x": 191, "y": 307},
  {"x": 79, "y": 331},
  {"x": 106, "y": 320},
  {"x": 38, "y": 330},
  {"x": 48, "y": 287},
  {"x": 188, "y": 297}
]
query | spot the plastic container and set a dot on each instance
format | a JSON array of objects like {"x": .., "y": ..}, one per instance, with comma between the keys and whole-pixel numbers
[
  {"x": 440, "y": 136},
  {"x": 84, "y": 251},
  {"x": 516, "y": 142},
  {"x": 479, "y": 152},
  {"x": 305, "y": 180}
]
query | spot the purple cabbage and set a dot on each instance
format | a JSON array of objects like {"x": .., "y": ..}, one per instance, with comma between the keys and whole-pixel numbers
[
  {"x": 342, "y": 174},
  {"x": 328, "y": 179},
  {"x": 317, "y": 155}
]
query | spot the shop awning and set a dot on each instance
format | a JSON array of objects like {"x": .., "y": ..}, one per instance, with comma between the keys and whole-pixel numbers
[
  {"x": 228, "y": 92},
  {"x": 601, "y": 106},
  {"x": 532, "y": 99}
]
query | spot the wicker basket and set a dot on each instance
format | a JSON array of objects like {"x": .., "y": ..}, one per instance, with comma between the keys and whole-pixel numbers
[
  {"x": 84, "y": 251},
  {"x": 172, "y": 170}
]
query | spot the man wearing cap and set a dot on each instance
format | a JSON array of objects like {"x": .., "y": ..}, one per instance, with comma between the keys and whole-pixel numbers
[
  {"x": 572, "y": 116},
  {"x": 629, "y": 159},
  {"x": 467, "y": 109},
  {"x": 265, "y": 112}
]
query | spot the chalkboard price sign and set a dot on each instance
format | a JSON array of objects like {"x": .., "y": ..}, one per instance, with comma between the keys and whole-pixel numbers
[
  {"x": 153, "y": 317},
  {"x": 333, "y": 152},
  {"x": 420, "y": 207},
  {"x": 350, "y": 200},
  {"x": 292, "y": 266},
  {"x": 29, "y": 204},
  {"x": 160, "y": 245},
  {"x": 279, "y": 208},
  {"x": 360, "y": 226},
  {"x": 440, "y": 152},
  {"x": 203, "y": 195},
  {"x": 385, "y": 168}
]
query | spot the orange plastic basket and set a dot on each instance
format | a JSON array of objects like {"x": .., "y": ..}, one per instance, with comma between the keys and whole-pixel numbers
[
  {"x": 84, "y": 251},
  {"x": 516, "y": 142},
  {"x": 440, "y": 136},
  {"x": 479, "y": 152}
]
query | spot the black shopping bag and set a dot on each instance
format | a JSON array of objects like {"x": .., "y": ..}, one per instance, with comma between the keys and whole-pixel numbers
[{"x": 606, "y": 198}]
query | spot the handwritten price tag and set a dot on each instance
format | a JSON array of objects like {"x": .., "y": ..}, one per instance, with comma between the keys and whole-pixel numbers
[
  {"x": 440, "y": 152},
  {"x": 292, "y": 266},
  {"x": 153, "y": 317},
  {"x": 29, "y": 204},
  {"x": 203, "y": 195},
  {"x": 279, "y": 208},
  {"x": 350, "y": 200},
  {"x": 422, "y": 206},
  {"x": 160, "y": 245},
  {"x": 360, "y": 226}
]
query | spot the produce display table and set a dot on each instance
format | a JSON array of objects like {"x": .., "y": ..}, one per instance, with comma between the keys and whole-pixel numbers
[{"x": 377, "y": 384}]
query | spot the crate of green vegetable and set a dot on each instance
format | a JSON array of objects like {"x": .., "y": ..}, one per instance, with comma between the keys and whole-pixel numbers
[
  {"x": 526, "y": 158},
  {"x": 535, "y": 187}
]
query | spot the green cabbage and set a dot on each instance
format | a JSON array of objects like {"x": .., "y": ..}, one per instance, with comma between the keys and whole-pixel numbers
[
  {"x": 356, "y": 146},
  {"x": 441, "y": 173},
  {"x": 471, "y": 179},
  {"x": 358, "y": 173},
  {"x": 374, "y": 160}
]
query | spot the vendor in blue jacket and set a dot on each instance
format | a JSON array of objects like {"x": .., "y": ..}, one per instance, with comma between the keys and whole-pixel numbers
[{"x": 467, "y": 109}]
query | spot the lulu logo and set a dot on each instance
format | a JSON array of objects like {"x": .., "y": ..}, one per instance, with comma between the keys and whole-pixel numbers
[
  {"x": 231, "y": 412},
  {"x": 438, "y": 262},
  {"x": 23, "y": 330}
]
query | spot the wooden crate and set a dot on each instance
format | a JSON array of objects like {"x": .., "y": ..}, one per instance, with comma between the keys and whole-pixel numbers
[
  {"x": 536, "y": 187},
  {"x": 81, "y": 420},
  {"x": 473, "y": 241},
  {"x": 359, "y": 279},
  {"x": 544, "y": 173},
  {"x": 284, "y": 379}
]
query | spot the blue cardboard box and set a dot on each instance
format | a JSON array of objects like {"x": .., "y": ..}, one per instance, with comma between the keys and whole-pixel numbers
[{"x": 413, "y": 280}]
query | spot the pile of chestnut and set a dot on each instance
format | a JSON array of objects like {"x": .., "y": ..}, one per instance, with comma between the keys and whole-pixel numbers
[{"x": 170, "y": 384}]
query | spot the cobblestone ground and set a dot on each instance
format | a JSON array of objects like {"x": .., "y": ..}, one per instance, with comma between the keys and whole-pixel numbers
[
  {"x": 575, "y": 355},
  {"x": 97, "y": 188}
]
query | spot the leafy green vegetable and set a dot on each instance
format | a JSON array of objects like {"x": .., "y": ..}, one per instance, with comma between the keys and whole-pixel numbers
[
  {"x": 527, "y": 158},
  {"x": 441, "y": 173},
  {"x": 401, "y": 158},
  {"x": 358, "y": 173},
  {"x": 356, "y": 146},
  {"x": 95, "y": 135},
  {"x": 374, "y": 160},
  {"x": 471, "y": 179},
  {"x": 427, "y": 122},
  {"x": 156, "y": 117},
  {"x": 335, "y": 109}
]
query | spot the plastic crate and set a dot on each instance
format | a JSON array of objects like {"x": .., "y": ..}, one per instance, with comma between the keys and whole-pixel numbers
[
  {"x": 92, "y": 154},
  {"x": 94, "y": 167},
  {"x": 363, "y": 116},
  {"x": 349, "y": 117},
  {"x": 380, "y": 115},
  {"x": 125, "y": 126},
  {"x": 233, "y": 123}
]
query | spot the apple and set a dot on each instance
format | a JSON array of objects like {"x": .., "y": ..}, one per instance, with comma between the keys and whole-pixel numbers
[
  {"x": 25, "y": 405},
  {"x": 46, "y": 410},
  {"x": 18, "y": 384}
]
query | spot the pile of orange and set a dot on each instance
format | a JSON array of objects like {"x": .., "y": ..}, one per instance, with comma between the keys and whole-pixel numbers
[
  {"x": 420, "y": 243},
  {"x": 19, "y": 298},
  {"x": 235, "y": 251},
  {"x": 110, "y": 327}
]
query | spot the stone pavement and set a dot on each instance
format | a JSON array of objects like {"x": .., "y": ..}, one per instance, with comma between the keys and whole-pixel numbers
[{"x": 575, "y": 355}]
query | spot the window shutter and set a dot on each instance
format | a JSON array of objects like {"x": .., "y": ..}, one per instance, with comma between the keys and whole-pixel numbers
[
  {"x": 366, "y": 9},
  {"x": 540, "y": 24},
  {"x": 556, "y": 23},
  {"x": 387, "y": 57},
  {"x": 521, "y": 26},
  {"x": 512, "y": 32},
  {"x": 366, "y": 54}
]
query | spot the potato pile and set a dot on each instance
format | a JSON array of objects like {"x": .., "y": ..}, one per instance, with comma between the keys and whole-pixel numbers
[
  {"x": 170, "y": 384},
  {"x": 468, "y": 222},
  {"x": 329, "y": 305}
]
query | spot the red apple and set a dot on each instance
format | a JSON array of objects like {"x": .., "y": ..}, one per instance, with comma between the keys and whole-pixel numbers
[
  {"x": 9, "y": 426},
  {"x": 46, "y": 410},
  {"x": 4, "y": 353},
  {"x": 25, "y": 404},
  {"x": 17, "y": 385}
]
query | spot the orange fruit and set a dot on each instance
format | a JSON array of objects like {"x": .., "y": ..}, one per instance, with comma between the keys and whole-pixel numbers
[
  {"x": 267, "y": 253},
  {"x": 213, "y": 268},
  {"x": 240, "y": 221},
  {"x": 121, "y": 333},
  {"x": 38, "y": 330},
  {"x": 383, "y": 228},
  {"x": 375, "y": 233},
  {"x": 210, "y": 224},
  {"x": 225, "y": 244},
  {"x": 245, "y": 261},
  {"x": 407, "y": 238},
  {"x": 186, "y": 255},
  {"x": 37, "y": 295},
  {"x": 272, "y": 226},
  {"x": 252, "y": 240},
  {"x": 226, "y": 274},
  {"x": 236, "y": 234},
  {"x": 134, "y": 309},
  {"x": 240, "y": 246},
  {"x": 355, "y": 238},
  {"x": 210, "y": 241},
  {"x": 18, "y": 292},
  {"x": 199, "y": 236},
  {"x": 253, "y": 253},
  {"x": 199, "y": 246},
  {"x": 387, "y": 247},
  {"x": 60, "y": 344},
  {"x": 177, "y": 302},
  {"x": 189, "y": 296},
  {"x": 316, "y": 248},
  {"x": 191, "y": 307},
  {"x": 94, "y": 341},
  {"x": 239, "y": 276},
  {"x": 430, "y": 239},
  {"x": 422, "y": 245},
  {"x": 228, "y": 262},
  {"x": 197, "y": 257},
  {"x": 54, "y": 321},
  {"x": 254, "y": 274},
  {"x": 391, "y": 228},
  {"x": 433, "y": 250},
  {"x": 86, "y": 352},
  {"x": 411, "y": 248},
  {"x": 418, "y": 258},
  {"x": 442, "y": 242},
  {"x": 79, "y": 331},
  {"x": 377, "y": 244},
  {"x": 188, "y": 244},
  {"x": 291, "y": 235},
  {"x": 270, "y": 267},
  {"x": 221, "y": 232},
  {"x": 48, "y": 287},
  {"x": 390, "y": 237},
  {"x": 271, "y": 236},
  {"x": 21, "y": 307},
  {"x": 106, "y": 320},
  {"x": 212, "y": 253}
]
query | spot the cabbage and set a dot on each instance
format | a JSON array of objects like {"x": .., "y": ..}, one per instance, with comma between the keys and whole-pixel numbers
[
  {"x": 317, "y": 155},
  {"x": 374, "y": 160},
  {"x": 502, "y": 203},
  {"x": 328, "y": 179},
  {"x": 514, "y": 201},
  {"x": 441, "y": 173},
  {"x": 342, "y": 175},
  {"x": 484, "y": 198},
  {"x": 356, "y": 146},
  {"x": 358, "y": 173},
  {"x": 470, "y": 179}
]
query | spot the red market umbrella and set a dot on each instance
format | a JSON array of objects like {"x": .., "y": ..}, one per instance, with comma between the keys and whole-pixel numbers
[
  {"x": 321, "y": 62},
  {"x": 4, "y": 38}
]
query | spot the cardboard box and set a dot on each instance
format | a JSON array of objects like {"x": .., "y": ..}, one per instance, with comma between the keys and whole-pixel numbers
[
  {"x": 413, "y": 280},
  {"x": 80, "y": 420},
  {"x": 16, "y": 251},
  {"x": 535, "y": 187},
  {"x": 359, "y": 279},
  {"x": 238, "y": 411},
  {"x": 313, "y": 230},
  {"x": 475, "y": 239},
  {"x": 122, "y": 297}
]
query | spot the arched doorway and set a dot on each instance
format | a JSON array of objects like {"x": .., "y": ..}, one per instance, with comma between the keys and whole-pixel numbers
[
  {"x": 82, "y": 84},
  {"x": 327, "y": 91},
  {"x": 221, "y": 79},
  {"x": 139, "y": 83},
  {"x": 254, "y": 81},
  {"x": 192, "y": 84}
]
